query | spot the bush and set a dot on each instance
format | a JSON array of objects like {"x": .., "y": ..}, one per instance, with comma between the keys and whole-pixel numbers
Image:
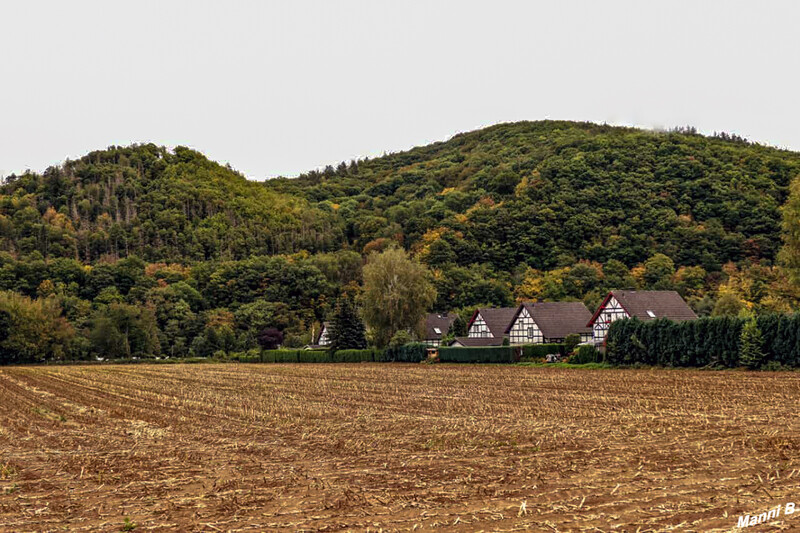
[
  {"x": 321, "y": 356},
  {"x": 357, "y": 356},
  {"x": 536, "y": 352},
  {"x": 314, "y": 356},
  {"x": 490, "y": 354},
  {"x": 408, "y": 353},
  {"x": 586, "y": 353},
  {"x": 571, "y": 342}
]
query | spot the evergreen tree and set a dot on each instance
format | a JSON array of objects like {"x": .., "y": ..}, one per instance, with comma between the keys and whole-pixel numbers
[
  {"x": 459, "y": 327},
  {"x": 751, "y": 353},
  {"x": 346, "y": 329}
]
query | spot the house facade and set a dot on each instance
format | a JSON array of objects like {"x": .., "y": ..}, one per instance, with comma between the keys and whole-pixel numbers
[
  {"x": 549, "y": 322},
  {"x": 490, "y": 323},
  {"x": 644, "y": 305}
]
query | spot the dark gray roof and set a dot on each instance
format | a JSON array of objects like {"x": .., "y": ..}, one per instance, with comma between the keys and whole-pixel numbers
[
  {"x": 663, "y": 304},
  {"x": 556, "y": 320},
  {"x": 436, "y": 320},
  {"x": 497, "y": 319},
  {"x": 479, "y": 341}
]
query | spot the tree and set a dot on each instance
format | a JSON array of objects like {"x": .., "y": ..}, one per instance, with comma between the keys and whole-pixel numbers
[
  {"x": 658, "y": 270},
  {"x": 270, "y": 338},
  {"x": 400, "y": 338},
  {"x": 728, "y": 304},
  {"x": 346, "y": 330},
  {"x": 122, "y": 330},
  {"x": 32, "y": 330},
  {"x": 459, "y": 327},
  {"x": 789, "y": 255},
  {"x": 397, "y": 293},
  {"x": 751, "y": 351}
]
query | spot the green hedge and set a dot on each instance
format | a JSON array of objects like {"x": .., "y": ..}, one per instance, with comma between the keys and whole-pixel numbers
[
  {"x": 357, "y": 356},
  {"x": 319, "y": 356},
  {"x": 409, "y": 353},
  {"x": 700, "y": 343},
  {"x": 586, "y": 353},
  {"x": 540, "y": 351},
  {"x": 489, "y": 354}
]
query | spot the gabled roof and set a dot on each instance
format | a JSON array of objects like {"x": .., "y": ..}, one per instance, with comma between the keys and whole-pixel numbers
[
  {"x": 442, "y": 322},
  {"x": 556, "y": 320},
  {"x": 649, "y": 305},
  {"x": 479, "y": 341},
  {"x": 325, "y": 325},
  {"x": 497, "y": 319}
]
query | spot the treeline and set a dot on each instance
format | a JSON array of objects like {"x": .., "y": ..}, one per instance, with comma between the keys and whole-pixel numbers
[
  {"x": 62, "y": 309},
  {"x": 766, "y": 341}
]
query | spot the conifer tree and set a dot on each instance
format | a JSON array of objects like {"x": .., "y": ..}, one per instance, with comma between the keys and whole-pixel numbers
[
  {"x": 346, "y": 329},
  {"x": 751, "y": 353}
]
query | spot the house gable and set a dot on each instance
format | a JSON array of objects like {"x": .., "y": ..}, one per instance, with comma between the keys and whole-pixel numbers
[
  {"x": 524, "y": 329},
  {"x": 478, "y": 328}
]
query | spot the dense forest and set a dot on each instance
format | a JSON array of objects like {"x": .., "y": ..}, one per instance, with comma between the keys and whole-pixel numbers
[{"x": 145, "y": 251}]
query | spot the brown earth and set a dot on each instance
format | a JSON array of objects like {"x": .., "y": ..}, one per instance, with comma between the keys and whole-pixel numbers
[{"x": 340, "y": 447}]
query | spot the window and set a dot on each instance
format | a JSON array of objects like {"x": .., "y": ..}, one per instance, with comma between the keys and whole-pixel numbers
[
  {"x": 651, "y": 314},
  {"x": 437, "y": 331}
]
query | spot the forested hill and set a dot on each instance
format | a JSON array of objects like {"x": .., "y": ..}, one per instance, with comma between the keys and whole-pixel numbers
[
  {"x": 156, "y": 204},
  {"x": 144, "y": 251},
  {"x": 547, "y": 194}
]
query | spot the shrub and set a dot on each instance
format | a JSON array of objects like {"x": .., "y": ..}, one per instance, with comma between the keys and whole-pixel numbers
[
  {"x": 356, "y": 356},
  {"x": 314, "y": 356},
  {"x": 586, "y": 353},
  {"x": 490, "y": 354},
  {"x": 408, "y": 353},
  {"x": 535, "y": 352},
  {"x": 750, "y": 353},
  {"x": 571, "y": 342}
]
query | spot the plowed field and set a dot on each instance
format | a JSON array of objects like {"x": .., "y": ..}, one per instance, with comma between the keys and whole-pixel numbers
[{"x": 340, "y": 447}]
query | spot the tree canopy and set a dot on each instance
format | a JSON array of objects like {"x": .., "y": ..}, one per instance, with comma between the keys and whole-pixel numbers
[{"x": 172, "y": 254}]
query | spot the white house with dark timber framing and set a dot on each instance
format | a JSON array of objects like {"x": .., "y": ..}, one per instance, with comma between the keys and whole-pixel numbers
[
  {"x": 644, "y": 305},
  {"x": 545, "y": 322},
  {"x": 490, "y": 322},
  {"x": 322, "y": 340}
]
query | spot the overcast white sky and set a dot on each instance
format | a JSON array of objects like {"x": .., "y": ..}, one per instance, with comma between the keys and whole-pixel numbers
[{"x": 278, "y": 88}]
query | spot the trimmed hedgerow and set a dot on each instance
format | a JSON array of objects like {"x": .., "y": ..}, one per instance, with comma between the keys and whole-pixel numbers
[
  {"x": 490, "y": 354},
  {"x": 702, "y": 342},
  {"x": 534, "y": 352},
  {"x": 408, "y": 353},
  {"x": 356, "y": 356}
]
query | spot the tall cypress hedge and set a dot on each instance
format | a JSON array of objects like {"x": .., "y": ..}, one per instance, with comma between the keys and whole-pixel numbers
[{"x": 702, "y": 342}]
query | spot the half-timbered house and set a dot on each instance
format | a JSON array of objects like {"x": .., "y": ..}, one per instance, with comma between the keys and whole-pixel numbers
[
  {"x": 490, "y": 322},
  {"x": 644, "y": 305},
  {"x": 542, "y": 322},
  {"x": 437, "y": 326}
]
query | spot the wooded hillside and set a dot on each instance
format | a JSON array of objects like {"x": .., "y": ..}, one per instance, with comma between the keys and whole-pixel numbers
[{"x": 168, "y": 252}]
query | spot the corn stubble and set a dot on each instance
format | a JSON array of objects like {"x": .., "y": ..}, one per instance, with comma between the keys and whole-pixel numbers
[{"x": 393, "y": 447}]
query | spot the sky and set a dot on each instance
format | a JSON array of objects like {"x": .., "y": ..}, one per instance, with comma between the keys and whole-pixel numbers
[{"x": 280, "y": 88}]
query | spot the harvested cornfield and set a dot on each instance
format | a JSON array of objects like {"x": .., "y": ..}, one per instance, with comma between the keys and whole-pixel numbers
[{"x": 396, "y": 447}]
